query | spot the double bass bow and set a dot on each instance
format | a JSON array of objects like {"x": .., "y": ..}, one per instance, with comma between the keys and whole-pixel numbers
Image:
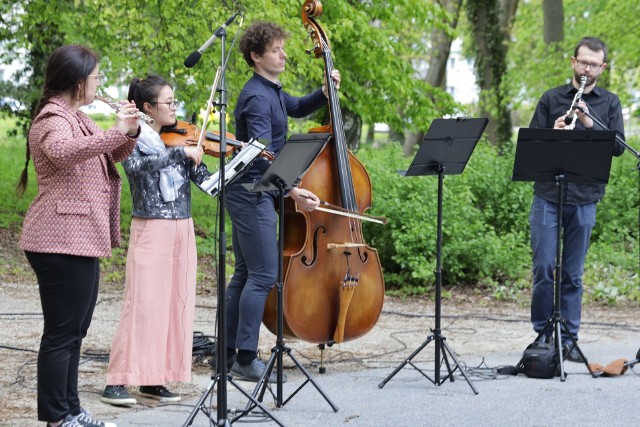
[{"x": 333, "y": 286}]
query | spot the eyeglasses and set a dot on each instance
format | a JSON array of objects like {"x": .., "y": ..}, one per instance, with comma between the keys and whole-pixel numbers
[
  {"x": 584, "y": 65},
  {"x": 99, "y": 77},
  {"x": 172, "y": 104}
]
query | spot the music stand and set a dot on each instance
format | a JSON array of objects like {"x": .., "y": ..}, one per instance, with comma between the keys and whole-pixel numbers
[
  {"x": 285, "y": 172},
  {"x": 555, "y": 155},
  {"x": 446, "y": 149}
]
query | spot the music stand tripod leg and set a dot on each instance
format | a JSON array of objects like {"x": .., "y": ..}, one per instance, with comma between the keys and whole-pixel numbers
[
  {"x": 456, "y": 364},
  {"x": 574, "y": 344},
  {"x": 277, "y": 352},
  {"x": 408, "y": 361}
]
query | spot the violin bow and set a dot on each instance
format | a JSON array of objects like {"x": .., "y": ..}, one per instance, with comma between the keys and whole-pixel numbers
[{"x": 339, "y": 210}]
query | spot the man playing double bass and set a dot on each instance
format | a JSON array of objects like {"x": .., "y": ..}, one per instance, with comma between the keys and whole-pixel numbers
[{"x": 262, "y": 111}]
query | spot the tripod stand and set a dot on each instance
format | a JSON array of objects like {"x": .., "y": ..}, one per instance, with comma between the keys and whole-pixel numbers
[
  {"x": 447, "y": 148},
  {"x": 285, "y": 172},
  {"x": 549, "y": 155},
  {"x": 219, "y": 377}
]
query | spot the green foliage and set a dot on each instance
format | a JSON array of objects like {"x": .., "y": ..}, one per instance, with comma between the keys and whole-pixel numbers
[
  {"x": 484, "y": 237},
  {"x": 13, "y": 147},
  {"x": 485, "y": 225},
  {"x": 135, "y": 37},
  {"x": 534, "y": 68},
  {"x": 485, "y": 234}
]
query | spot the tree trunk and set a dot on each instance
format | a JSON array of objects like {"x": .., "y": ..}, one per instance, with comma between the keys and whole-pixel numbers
[
  {"x": 492, "y": 21},
  {"x": 437, "y": 71},
  {"x": 352, "y": 128},
  {"x": 553, "y": 21}
]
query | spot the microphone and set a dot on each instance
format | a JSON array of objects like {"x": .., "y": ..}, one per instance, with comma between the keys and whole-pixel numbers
[{"x": 194, "y": 56}]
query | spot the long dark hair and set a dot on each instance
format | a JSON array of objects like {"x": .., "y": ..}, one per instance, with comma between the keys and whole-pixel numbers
[{"x": 66, "y": 68}]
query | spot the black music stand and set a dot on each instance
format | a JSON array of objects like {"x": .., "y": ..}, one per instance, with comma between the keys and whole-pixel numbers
[
  {"x": 285, "y": 172},
  {"x": 446, "y": 149},
  {"x": 560, "y": 156}
]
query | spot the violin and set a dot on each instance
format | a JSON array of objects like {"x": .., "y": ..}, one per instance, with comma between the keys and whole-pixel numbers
[{"x": 185, "y": 134}]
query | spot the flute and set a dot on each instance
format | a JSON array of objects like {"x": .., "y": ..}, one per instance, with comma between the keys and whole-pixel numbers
[{"x": 116, "y": 106}]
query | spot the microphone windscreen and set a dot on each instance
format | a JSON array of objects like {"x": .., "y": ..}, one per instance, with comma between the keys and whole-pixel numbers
[{"x": 192, "y": 59}]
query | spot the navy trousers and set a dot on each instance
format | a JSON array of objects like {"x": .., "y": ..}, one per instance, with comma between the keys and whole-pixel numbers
[
  {"x": 68, "y": 288},
  {"x": 255, "y": 246},
  {"x": 577, "y": 223}
]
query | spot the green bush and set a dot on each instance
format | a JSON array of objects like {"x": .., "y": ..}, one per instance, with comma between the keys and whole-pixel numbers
[{"x": 485, "y": 234}]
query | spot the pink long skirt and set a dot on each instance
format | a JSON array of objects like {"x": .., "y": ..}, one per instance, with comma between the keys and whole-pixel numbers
[{"x": 154, "y": 339}]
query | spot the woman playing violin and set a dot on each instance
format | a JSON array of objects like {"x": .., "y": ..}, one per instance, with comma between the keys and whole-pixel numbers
[
  {"x": 261, "y": 112},
  {"x": 153, "y": 342}
]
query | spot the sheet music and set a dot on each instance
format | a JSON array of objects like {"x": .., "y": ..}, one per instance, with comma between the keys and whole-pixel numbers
[{"x": 232, "y": 169}]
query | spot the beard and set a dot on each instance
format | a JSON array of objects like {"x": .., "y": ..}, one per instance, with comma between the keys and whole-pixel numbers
[{"x": 590, "y": 80}]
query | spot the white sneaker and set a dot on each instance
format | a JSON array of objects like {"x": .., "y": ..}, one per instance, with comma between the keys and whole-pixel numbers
[{"x": 85, "y": 419}]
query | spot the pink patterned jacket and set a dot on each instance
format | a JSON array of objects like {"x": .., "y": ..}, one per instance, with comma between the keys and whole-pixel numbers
[{"x": 77, "y": 208}]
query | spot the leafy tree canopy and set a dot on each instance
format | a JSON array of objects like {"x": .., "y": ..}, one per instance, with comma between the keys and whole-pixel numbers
[{"x": 371, "y": 42}]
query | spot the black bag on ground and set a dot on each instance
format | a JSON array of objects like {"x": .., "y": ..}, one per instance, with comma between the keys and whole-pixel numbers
[{"x": 539, "y": 360}]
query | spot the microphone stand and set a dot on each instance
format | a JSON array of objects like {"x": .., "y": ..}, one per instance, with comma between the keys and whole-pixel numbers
[
  {"x": 220, "y": 375},
  {"x": 619, "y": 139}
]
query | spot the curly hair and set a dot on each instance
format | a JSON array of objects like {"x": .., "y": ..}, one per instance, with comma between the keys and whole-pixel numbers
[{"x": 258, "y": 36}]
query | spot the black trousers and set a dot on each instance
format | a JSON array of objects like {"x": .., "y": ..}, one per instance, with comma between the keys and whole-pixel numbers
[{"x": 68, "y": 292}]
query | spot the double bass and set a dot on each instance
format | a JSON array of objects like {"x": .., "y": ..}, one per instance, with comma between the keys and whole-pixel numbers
[{"x": 333, "y": 287}]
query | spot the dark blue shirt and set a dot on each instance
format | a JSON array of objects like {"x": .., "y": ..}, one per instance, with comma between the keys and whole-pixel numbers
[
  {"x": 262, "y": 111},
  {"x": 603, "y": 105}
]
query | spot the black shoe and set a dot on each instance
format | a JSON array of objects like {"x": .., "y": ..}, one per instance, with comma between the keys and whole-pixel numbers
[
  {"x": 230, "y": 361},
  {"x": 571, "y": 353},
  {"x": 117, "y": 395},
  {"x": 253, "y": 371},
  {"x": 158, "y": 392}
]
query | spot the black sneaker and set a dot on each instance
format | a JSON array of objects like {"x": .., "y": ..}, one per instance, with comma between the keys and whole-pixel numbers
[
  {"x": 117, "y": 395},
  {"x": 253, "y": 371},
  {"x": 85, "y": 419},
  {"x": 230, "y": 361},
  {"x": 158, "y": 392},
  {"x": 571, "y": 353}
]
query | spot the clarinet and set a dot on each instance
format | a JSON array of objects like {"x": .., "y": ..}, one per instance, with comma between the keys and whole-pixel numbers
[{"x": 570, "y": 119}]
